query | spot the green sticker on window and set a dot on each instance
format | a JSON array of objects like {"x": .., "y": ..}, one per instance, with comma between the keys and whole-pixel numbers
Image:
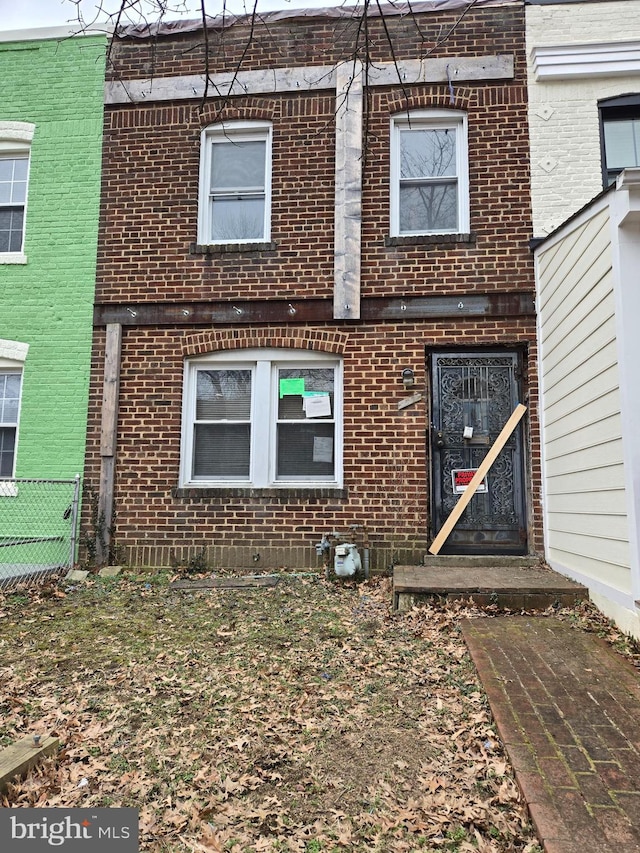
[{"x": 291, "y": 386}]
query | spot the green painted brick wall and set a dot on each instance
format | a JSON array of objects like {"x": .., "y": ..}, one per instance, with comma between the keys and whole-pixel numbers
[{"x": 48, "y": 302}]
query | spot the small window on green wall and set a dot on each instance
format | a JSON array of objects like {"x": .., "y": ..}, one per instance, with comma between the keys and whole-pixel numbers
[
  {"x": 10, "y": 385},
  {"x": 15, "y": 150},
  {"x": 13, "y": 198}
]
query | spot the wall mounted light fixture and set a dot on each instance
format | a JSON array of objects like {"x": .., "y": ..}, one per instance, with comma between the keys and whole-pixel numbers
[{"x": 408, "y": 377}]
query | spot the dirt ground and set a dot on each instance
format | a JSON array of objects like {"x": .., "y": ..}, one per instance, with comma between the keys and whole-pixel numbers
[{"x": 303, "y": 717}]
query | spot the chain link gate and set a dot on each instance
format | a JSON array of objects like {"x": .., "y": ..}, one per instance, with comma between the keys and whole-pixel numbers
[{"x": 38, "y": 529}]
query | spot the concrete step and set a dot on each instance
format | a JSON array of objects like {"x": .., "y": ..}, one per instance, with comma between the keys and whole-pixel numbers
[
  {"x": 478, "y": 561},
  {"x": 517, "y": 584}
]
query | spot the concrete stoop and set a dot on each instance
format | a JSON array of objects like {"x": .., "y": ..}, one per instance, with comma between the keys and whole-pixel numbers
[{"x": 514, "y": 583}]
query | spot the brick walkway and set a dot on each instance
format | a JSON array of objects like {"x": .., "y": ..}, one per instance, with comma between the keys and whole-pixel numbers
[{"x": 568, "y": 711}]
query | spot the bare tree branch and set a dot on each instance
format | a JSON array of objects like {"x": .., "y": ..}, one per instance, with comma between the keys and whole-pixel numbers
[{"x": 354, "y": 28}]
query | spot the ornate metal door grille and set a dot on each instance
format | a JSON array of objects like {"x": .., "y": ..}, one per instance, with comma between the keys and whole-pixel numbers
[{"x": 477, "y": 392}]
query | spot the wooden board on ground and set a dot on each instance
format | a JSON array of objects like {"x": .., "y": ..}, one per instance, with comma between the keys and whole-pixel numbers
[
  {"x": 17, "y": 759},
  {"x": 226, "y": 583}
]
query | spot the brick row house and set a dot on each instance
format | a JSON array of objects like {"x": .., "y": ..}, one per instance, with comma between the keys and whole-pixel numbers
[
  {"x": 314, "y": 299},
  {"x": 51, "y": 119}
]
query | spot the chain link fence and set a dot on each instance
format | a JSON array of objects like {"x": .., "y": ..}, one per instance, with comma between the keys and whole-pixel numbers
[{"x": 38, "y": 529}]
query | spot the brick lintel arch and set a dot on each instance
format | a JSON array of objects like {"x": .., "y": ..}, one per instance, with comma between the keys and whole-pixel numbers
[
  {"x": 250, "y": 109},
  {"x": 273, "y": 337},
  {"x": 434, "y": 98}
]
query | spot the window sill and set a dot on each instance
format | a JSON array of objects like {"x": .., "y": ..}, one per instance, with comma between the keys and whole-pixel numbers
[
  {"x": 231, "y": 248},
  {"x": 285, "y": 493},
  {"x": 430, "y": 240},
  {"x": 13, "y": 258}
]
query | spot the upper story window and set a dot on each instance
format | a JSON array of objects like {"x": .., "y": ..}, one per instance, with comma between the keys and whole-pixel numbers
[
  {"x": 262, "y": 418},
  {"x": 235, "y": 183},
  {"x": 13, "y": 198},
  {"x": 429, "y": 173},
  {"x": 619, "y": 135},
  {"x": 15, "y": 142}
]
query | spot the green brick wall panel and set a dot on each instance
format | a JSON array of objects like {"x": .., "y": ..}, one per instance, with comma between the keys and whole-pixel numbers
[{"x": 48, "y": 302}]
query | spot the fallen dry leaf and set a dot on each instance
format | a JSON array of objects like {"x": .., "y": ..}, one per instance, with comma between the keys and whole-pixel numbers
[{"x": 305, "y": 716}]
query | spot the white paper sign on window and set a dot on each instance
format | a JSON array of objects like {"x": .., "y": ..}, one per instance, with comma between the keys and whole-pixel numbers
[
  {"x": 322, "y": 449},
  {"x": 318, "y": 406}
]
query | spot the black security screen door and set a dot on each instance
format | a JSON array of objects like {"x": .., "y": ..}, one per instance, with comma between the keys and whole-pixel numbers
[{"x": 473, "y": 396}]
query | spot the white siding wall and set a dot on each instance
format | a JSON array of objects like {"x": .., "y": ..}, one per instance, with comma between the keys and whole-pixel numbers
[
  {"x": 586, "y": 524},
  {"x": 563, "y": 114}
]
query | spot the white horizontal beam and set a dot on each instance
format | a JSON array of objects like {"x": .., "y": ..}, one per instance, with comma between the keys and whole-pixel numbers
[{"x": 305, "y": 79}]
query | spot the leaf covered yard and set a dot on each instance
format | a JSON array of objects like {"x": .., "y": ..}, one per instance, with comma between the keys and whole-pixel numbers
[{"x": 302, "y": 717}]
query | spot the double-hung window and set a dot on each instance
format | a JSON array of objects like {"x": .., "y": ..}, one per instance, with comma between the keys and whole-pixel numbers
[
  {"x": 429, "y": 174},
  {"x": 15, "y": 146},
  {"x": 14, "y": 170},
  {"x": 262, "y": 418},
  {"x": 10, "y": 384},
  {"x": 620, "y": 135},
  {"x": 235, "y": 183}
]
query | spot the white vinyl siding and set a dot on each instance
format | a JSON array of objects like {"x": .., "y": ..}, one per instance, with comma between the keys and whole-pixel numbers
[{"x": 585, "y": 500}]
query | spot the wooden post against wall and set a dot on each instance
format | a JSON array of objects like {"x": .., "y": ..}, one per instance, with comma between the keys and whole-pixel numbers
[
  {"x": 108, "y": 440},
  {"x": 348, "y": 185}
]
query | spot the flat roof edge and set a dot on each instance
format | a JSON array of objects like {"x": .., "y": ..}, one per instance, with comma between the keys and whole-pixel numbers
[{"x": 54, "y": 33}]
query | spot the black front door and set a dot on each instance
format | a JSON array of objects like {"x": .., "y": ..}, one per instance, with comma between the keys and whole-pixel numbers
[{"x": 472, "y": 397}]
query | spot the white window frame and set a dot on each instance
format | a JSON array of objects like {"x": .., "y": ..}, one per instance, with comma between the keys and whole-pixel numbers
[
  {"x": 241, "y": 131},
  {"x": 264, "y": 364},
  {"x": 15, "y": 141},
  {"x": 452, "y": 120},
  {"x": 15, "y": 368},
  {"x": 13, "y": 355}
]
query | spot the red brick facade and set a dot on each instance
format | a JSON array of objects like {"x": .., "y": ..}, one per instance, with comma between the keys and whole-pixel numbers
[{"x": 148, "y": 263}]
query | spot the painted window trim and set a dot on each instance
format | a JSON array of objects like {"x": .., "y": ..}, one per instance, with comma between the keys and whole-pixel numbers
[
  {"x": 262, "y": 474},
  {"x": 226, "y": 131},
  {"x": 16, "y": 138},
  {"x": 431, "y": 119}
]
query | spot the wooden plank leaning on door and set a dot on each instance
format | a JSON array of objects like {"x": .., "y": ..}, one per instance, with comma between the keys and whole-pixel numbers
[{"x": 478, "y": 477}]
